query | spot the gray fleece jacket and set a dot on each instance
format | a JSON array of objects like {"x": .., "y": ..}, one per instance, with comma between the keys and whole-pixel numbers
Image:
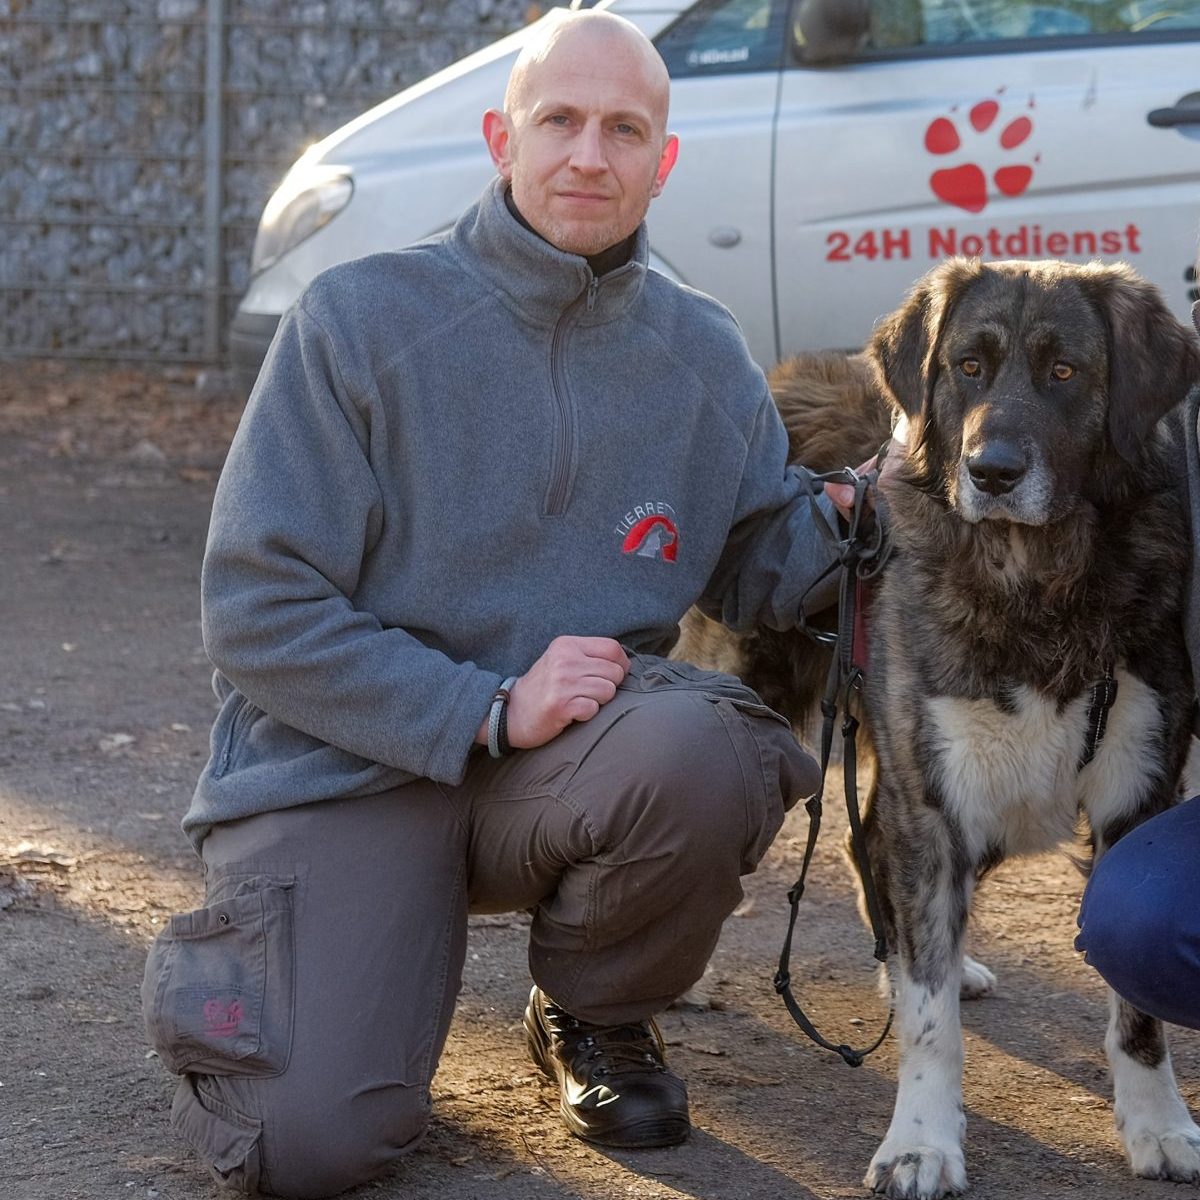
[{"x": 453, "y": 454}]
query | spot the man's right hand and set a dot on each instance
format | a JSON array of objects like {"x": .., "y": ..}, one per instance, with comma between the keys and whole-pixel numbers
[{"x": 572, "y": 681}]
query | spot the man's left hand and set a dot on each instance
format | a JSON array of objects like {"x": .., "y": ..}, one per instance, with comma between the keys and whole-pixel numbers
[{"x": 842, "y": 494}]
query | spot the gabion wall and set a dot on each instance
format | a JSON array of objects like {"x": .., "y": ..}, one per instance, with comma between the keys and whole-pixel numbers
[{"x": 103, "y": 172}]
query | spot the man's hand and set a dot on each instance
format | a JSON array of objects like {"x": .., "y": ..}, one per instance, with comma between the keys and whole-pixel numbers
[
  {"x": 842, "y": 494},
  {"x": 572, "y": 681}
]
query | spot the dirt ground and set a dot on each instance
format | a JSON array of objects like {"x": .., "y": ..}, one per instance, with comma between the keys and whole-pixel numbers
[{"x": 105, "y": 484}]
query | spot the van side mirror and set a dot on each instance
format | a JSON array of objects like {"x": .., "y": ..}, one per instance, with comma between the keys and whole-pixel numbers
[{"x": 825, "y": 32}]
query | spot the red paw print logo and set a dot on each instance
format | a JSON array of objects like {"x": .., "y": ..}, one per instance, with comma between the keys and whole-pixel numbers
[{"x": 966, "y": 185}]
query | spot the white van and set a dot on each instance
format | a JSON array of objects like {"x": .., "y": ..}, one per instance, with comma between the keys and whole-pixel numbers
[{"x": 831, "y": 152}]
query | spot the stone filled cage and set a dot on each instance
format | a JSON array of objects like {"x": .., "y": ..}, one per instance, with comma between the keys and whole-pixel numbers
[{"x": 140, "y": 139}]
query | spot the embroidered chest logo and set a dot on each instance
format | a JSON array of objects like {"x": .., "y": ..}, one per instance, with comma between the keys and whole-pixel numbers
[{"x": 650, "y": 531}]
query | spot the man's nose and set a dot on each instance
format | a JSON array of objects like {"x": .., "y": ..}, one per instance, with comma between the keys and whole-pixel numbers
[{"x": 587, "y": 154}]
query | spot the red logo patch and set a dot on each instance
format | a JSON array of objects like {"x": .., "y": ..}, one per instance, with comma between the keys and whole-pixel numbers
[
  {"x": 966, "y": 184},
  {"x": 221, "y": 1017},
  {"x": 650, "y": 531},
  {"x": 653, "y": 537}
]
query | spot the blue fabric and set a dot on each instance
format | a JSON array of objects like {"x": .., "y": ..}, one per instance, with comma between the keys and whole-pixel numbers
[{"x": 1139, "y": 923}]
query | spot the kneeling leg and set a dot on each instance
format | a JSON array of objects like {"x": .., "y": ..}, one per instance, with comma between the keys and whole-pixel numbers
[{"x": 306, "y": 1004}]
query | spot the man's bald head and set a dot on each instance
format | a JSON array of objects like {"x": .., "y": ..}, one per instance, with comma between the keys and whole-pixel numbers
[
  {"x": 583, "y": 136},
  {"x": 590, "y": 32}
]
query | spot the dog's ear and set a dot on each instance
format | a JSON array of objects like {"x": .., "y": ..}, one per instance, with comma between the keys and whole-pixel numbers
[
  {"x": 1153, "y": 360},
  {"x": 903, "y": 348}
]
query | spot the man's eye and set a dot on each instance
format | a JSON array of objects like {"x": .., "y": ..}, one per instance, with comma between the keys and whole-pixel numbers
[
  {"x": 1062, "y": 371},
  {"x": 970, "y": 367}
]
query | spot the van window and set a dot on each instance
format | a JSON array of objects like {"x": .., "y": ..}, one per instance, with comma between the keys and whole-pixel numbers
[
  {"x": 956, "y": 21},
  {"x": 904, "y": 27},
  {"x": 717, "y": 37}
]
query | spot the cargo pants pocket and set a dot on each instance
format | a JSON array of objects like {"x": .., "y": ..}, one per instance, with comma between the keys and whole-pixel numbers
[
  {"x": 754, "y": 731},
  {"x": 219, "y": 987},
  {"x": 227, "y": 1141}
]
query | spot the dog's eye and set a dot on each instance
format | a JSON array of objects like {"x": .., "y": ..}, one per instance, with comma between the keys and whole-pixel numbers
[
  {"x": 1062, "y": 371},
  {"x": 969, "y": 367}
]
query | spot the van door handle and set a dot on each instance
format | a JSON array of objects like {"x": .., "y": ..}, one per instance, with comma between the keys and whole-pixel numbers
[{"x": 1185, "y": 112}]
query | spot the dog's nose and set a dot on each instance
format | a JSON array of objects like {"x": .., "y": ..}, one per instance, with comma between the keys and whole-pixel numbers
[{"x": 997, "y": 468}]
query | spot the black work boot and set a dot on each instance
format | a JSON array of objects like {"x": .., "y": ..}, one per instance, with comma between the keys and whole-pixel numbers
[{"x": 614, "y": 1087}]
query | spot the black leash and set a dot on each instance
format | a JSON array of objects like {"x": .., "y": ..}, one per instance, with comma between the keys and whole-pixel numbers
[
  {"x": 1104, "y": 695},
  {"x": 861, "y": 554}
]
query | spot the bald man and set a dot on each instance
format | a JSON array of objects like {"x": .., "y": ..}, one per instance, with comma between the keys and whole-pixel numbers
[{"x": 477, "y": 484}]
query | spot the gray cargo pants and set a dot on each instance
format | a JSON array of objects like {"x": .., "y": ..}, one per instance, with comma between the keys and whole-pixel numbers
[{"x": 306, "y": 1004}]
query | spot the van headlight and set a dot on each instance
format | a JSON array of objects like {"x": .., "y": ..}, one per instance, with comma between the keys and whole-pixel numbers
[{"x": 310, "y": 196}]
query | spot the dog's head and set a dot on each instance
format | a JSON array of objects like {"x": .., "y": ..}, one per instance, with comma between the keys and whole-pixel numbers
[{"x": 1025, "y": 382}]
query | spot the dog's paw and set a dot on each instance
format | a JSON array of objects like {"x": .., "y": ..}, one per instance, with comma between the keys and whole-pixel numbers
[
  {"x": 977, "y": 980},
  {"x": 1166, "y": 1154},
  {"x": 699, "y": 995},
  {"x": 916, "y": 1172}
]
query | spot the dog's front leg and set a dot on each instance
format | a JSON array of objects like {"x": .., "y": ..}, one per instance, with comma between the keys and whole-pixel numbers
[
  {"x": 1161, "y": 1139},
  {"x": 921, "y": 1157}
]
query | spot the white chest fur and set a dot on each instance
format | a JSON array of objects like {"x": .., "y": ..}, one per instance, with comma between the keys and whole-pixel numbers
[{"x": 1012, "y": 779}]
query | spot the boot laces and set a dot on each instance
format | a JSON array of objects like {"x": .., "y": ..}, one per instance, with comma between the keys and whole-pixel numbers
[{"x": 607, "y": 1050}]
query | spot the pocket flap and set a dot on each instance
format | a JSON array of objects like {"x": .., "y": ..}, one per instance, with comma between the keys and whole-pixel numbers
[
  {"x": 230, "y": 913},
  {"x": 220, "y": 1135}
]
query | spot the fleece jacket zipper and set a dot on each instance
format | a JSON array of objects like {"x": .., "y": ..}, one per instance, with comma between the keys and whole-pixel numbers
[{"x": 565, "y": 429}]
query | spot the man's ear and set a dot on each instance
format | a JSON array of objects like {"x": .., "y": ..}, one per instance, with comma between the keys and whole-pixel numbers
[
  {"x": 666, "y": 162},
  {"x": 498, "y": 135}
]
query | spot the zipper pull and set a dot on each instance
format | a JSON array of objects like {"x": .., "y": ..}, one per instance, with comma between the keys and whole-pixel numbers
[{"x": 593, "y": 288}]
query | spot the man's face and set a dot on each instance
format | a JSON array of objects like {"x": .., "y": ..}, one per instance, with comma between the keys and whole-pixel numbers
[{"x": 583, "y": 144}]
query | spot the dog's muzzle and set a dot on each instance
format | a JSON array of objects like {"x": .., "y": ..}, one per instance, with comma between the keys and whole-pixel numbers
[
  {"x": 997, "y": 468},
  {"x": 1001, "y": 479}
]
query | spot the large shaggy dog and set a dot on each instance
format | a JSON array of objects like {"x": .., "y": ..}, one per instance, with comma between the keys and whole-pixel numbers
[{"x": 1040, "y": 555}]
